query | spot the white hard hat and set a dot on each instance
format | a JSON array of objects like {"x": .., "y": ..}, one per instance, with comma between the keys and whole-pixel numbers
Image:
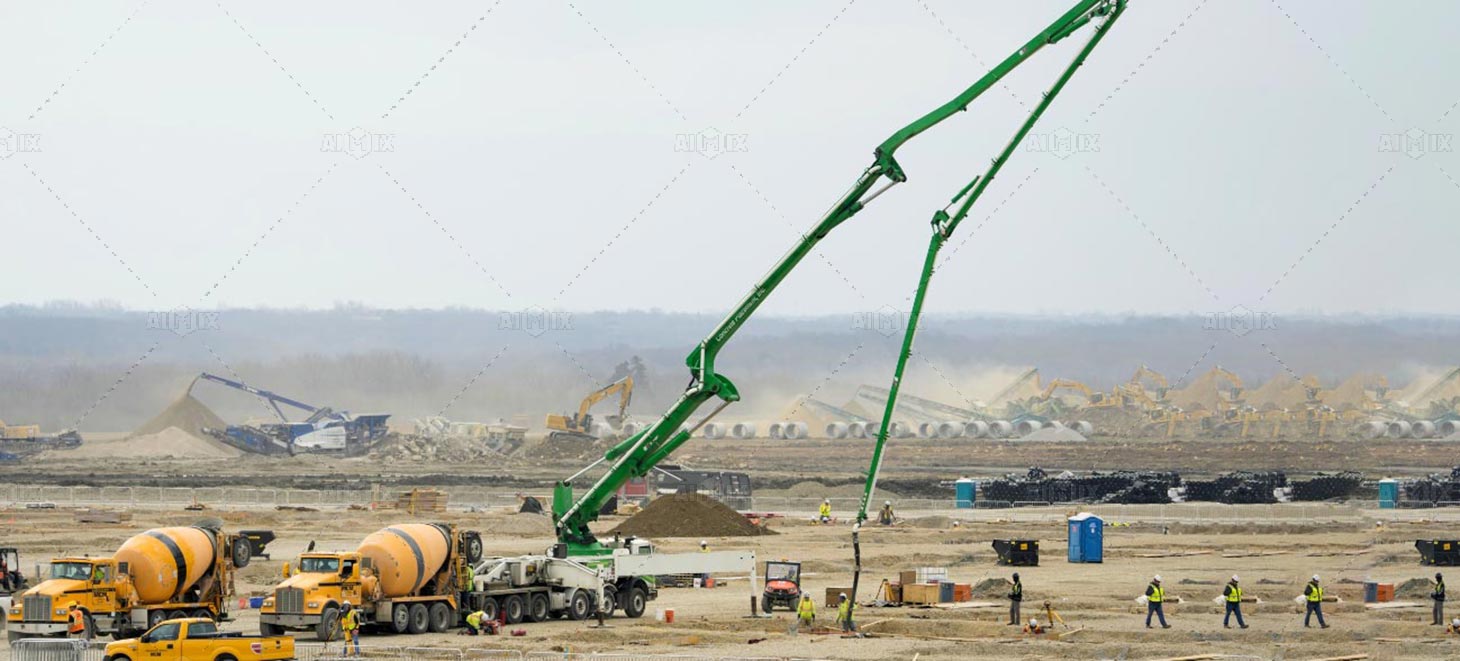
[
  {"x": 1156, "y": 578},
  {"x": 826, "y": 500},
  {"x": 886, "y": 502},
  {"x": 1234, "y": 578},
  {"x": 703, "y": 542},
  {"x": 1315, "y": 577},
  {"x": 347, "y": 604},
  {"x": 844, "y": 595}
]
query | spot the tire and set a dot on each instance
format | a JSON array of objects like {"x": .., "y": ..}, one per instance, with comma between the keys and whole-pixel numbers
[
  {"x": 513, "y": 608},
  {"x": 241, "y": 553},
  {"x": 328, "y": 628},
  {"x": 400, "y": 619},
  {"x": 226, "y": 657},
  {"x": 537, "y": 607},
  {"x": 474, "y": 549},
  {"x": 766, "y": 606},
  {"x": 155, "y": 618},
  {"x": 610, "y": 600},
  {"x": 491, "y": 608},
  {"x": 442, "y": 618},
  {"x": 580, "y": 606},
  {"x": 177, "y": 614},
  {"x": 268, "y": 630},
  {"x": 636, "y": 602},
  {"x": 420, "y": 621},
  {"x": 203, "y": 612}
]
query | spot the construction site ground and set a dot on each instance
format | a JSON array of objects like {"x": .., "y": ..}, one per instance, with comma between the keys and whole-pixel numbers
[{"x": 1098, "y": 600}]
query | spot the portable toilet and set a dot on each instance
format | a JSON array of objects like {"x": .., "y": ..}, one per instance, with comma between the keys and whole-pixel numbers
[
  {"x": 1388, "y": 493},
  {"x": 965, "y": 491},
  {"x": 1087, "y": 538}
]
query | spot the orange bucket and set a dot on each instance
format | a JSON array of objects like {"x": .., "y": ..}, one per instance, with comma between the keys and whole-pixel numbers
[{"x": 669, "y": 616}]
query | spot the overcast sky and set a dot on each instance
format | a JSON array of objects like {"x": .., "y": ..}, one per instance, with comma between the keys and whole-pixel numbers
[{"x": 540, "y": 153}]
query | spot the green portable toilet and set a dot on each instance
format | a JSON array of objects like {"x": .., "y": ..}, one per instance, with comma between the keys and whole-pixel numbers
[
  {"x": 1388, "y": 493},
  {"x": 965, "y": 491}
]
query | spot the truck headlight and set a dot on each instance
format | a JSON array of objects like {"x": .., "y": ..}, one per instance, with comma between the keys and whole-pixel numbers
[
  {"x": 15, "y": 611},
  {"x": 269, "y": 603},
  {"x": 313, "y": 604},
  {"x": 60, "y": 611}
]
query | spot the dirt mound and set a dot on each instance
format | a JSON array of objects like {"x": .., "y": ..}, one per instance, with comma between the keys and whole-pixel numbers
[
  {"x": 186, "y": 414},
  {"x": 1414, "y": 588},
  {"x": 527, "y": 525},
  {"x": 1280, "y": 392},
  {"x": 689, "y": 515},
  {"x": 170, "y": 442}
]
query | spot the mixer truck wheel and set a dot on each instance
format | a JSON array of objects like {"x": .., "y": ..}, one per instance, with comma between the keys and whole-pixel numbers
[
  {"x": 155, "y": 618},
  {"x": 441, "y": 620},
  {"x": 512, "y": 608},
  {"x": 328, "y": 628},
  {"x": 203, "y": 613},
  {"x": 400, "y": 618},
  {"x": 635, "y": 602},
  {"x": 474, "y": 549},
  {"x": 177, "y": 615},
  {"x": 242, "y": 553},
  {"x": 490, "y": 609},
  {"x": 420, "y": 619},
  {"x": 579, "y": 605},
  {"x": 537, "y": 607}
]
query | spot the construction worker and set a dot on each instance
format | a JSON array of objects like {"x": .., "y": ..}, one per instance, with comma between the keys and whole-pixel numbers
[
  {"x": 704, "y": 578},
  {"x": 1155, "y": 595},
  {"x": 475, "y": 623},
  {"x": 1454, "y": 626},
  {"x": 1437, "y": 593},
  {"x": 1016, "y": 597},
  {"x": 806, "y": 610},
  {"x": 885, "y": 517},
  {"x": 1033, "y": 626},
  {"x": 350, "y": 626},
  {"x": 1314, "y": 594},
  {"x": 824, "y": 514},
  {"x": 844, "y": 614},
  {"x": 1232, "y": 594},
  {"x": 76, "y": 622},
  {"x": 97, "y": 574},
  {"x": 704, "y": 546}
]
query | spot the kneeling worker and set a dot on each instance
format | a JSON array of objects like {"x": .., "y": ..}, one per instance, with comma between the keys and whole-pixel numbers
[{"x": 886, "y": 517}]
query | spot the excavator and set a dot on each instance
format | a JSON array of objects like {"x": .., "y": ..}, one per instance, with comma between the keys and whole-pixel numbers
[
  {"x": 638, "y": 454},
  {"x": 579, "y": 425}
]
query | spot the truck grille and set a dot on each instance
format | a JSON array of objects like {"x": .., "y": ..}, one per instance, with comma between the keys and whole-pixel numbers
[
  {"x": 36, "y": 608},
  {"x": 289, "y": 600}
]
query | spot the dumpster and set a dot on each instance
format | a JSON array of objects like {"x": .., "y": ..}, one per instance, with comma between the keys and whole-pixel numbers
[
  {"x": 965, "y": 493},
  {"x": 1438, "y": 552},
  {"x": 1087, "y": 538},
  {"x": 1017, "y": 552}
]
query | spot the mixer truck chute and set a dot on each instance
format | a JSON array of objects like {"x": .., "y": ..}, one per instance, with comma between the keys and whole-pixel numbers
[
  {"x": 406, "y": 578},
  {"x": 184, "y": 571}
]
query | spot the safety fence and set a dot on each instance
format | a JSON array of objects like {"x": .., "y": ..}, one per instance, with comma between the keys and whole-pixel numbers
[{"x": 77, "y": 650}]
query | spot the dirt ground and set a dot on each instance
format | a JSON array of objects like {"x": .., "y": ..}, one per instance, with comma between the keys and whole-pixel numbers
[{"x": 1096, "y": 599}]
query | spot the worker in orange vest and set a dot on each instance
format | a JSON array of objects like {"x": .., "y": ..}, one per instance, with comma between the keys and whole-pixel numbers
[{"x": 77, "y": 622}]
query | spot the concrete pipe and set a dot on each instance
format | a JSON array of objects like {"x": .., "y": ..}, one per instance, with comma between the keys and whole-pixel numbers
[
  {"x": 1399, "y": 429},
  {"x": 976, "y": 429},
  {"x": 796, "y": 431},
  {"x": 1371, "y": 430},
  {"x": 1422, "y": 429},
  {"x": 1054, "y": 424},
  {"x": 950, "y": 430},
  {"x": 743, "y": 430},
  {"x": 1083, "y": 427},
  {"x": 1001, "y": 429},
  {"x": 927, "y": 430},
  {"x": 166, "y": 562},
  {"x": 857, "y": 430},
  {"x": 713, "y": 430},
  {"x": 1449, "y": 428},
  {"x": 1027, "y": 427},
  {"x": 899, "y": 430},
  {"x": 776, "y": 430},
  {"x": 836, "y": 430},
  {"x": 406, "y": 556}
]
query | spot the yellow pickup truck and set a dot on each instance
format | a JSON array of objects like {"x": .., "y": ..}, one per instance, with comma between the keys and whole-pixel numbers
[{"x": 198, "y": 639}]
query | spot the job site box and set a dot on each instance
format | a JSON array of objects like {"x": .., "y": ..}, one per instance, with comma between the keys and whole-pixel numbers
[
  {"x": 1388, "y": 493},
  {"x": 1087, "y": 538},
  {"x": 965, "y": 494},
  {"x": 1438, "y": 552},
  {"x": 1017, "y": 552},
  {"x": 921, "y": 593},
  {"x": 907, "y": 577}
]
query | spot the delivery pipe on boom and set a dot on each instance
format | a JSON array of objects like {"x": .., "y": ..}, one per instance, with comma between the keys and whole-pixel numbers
[
  {"x": 944, "y": 224},
  {"x": 638, "y": 454}
]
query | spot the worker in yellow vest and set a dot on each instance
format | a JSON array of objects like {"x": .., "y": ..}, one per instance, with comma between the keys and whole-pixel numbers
[
  {"x": 823, "y": 514},
  {"x": 1437, "y": 594},
  {"x": 1232, "y": 595},
  {"x": 350, "y": 626},
  {"x": 1313, "y": 593},
  {"x": 806, "y": 610},
  {"x": 1155, "y": 596},
  {"x": 844, "y": 614}
]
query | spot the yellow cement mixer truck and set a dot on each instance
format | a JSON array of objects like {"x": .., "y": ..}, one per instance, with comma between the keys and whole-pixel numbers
[
  {"x": 406, "y": 578},
  {"x": 160, "y": 574}
]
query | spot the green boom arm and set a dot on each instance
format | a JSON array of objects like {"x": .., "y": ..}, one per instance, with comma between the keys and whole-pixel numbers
[
  {"x": 639, "y": 453},
  {"x": 943, "y": 226}
]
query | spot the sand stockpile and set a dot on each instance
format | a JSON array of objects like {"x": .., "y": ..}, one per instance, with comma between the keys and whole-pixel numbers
[
  {"x": 689, "y": 515},
  {"x": 186, "y": 414},
  {"x": 170, "y": 442},
  {"x": 1280, "y": 392}
]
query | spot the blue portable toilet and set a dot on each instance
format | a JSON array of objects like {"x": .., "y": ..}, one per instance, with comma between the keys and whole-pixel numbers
[
  {"x": 1388, "y": 493},
  {"x": 965, "y": 491},
  {"x": 1087, "y": 538}
]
